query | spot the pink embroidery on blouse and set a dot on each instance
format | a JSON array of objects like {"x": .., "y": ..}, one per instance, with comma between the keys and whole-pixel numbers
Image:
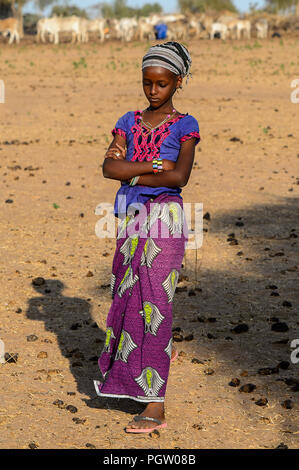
[
  {"x": 119, "y": 131},
  {"x": 147, "y": 143},
  {"x": 189, "y": 136}
]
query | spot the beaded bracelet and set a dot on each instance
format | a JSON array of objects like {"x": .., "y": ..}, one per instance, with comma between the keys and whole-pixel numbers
[{"x": 157, "y": 165}]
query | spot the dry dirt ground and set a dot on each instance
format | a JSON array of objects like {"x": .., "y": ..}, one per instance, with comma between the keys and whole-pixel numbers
[{"x": 61, "y": 104}]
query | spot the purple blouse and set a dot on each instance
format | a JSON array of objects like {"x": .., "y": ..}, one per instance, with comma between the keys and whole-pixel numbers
[{"x": 164, "y": 142}]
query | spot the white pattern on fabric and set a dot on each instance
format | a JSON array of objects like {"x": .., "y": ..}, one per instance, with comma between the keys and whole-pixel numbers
[
  {"x": 150, "y": 251},
  {"x": 170, "y": 284},
  {"x": 168, "y": 348},
  {"x": 127, "y": 281},
  {"x": 172, "y": 215},
  {"x": 128, "y": 248},
  {"x": 151, "y": 218},
  {"x": 129, "y": 219},
  {"x": 150, "y": 381},
  {"x": 152, "y": 318},
  {"x": 109, "y": 336},
  {"x": 139, "y": 398},
  {"x": 112, "y": 284},
  {"x": 125, "y": 347}
]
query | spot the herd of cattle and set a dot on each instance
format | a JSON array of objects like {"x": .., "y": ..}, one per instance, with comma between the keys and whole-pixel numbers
[{"x": 179, "y": 27}]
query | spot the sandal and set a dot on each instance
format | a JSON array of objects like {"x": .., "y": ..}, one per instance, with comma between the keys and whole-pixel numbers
[{"x": 146, "y": 418}]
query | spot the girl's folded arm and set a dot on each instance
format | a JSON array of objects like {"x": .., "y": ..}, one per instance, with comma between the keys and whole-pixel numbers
[
  {"x": 117, "y": 167},
  {"x": 177, "y": 177},
  {"x": 124, "y": 170}
]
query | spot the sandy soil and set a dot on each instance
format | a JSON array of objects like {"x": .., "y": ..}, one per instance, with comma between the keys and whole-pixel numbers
[{"x": 61, "y": 103}]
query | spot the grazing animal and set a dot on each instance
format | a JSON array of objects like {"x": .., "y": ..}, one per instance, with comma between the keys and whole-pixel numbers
[
  {"x": 220, "y": 28},
  {"x": 97, "y": 26},
  {"x": 55, "y": 25},
  {"x": 10, "y": 26},
  {"x": 240, "y": 27},
  {"x": 262, "y": 28}
]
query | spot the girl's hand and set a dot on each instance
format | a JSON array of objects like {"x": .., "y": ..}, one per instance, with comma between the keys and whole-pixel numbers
[
  {"x": 168, "y": 165},
  {"x": 118, "y": 153}
]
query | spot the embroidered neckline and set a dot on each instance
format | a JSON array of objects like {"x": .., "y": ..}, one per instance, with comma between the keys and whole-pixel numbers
[
  {"x": 138, "y": 113},
  {"x": 147, "y": 143}
]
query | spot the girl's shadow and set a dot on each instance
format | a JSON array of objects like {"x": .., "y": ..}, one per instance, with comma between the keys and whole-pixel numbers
[{"x": 79, "y": 338}]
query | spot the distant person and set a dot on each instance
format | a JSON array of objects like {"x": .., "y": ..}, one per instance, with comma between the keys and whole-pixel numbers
[
  {"x": 160, "y": 143},
  {"x": 161, "y": 31}
]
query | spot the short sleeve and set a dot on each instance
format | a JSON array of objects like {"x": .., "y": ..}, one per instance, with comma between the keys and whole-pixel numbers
[
  {"x": 121, "y": 127},
  {"x": 189, "y": 129}
]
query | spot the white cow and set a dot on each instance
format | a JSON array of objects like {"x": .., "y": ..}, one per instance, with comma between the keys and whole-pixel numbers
[
  {"x": 194, "y": 26},
  {"x": 10, "y": 26},
  {"x": 262, "y": 28},
  {"x": 97, "y": 26},
  {"x": 240, "y": 27},
  {"x": 177, "y": 31},
  {"x": 244, "y": 26},
  {"x": 56, "y": 25},
  {"x": 206, "y": 24},
  {"x": 220, "y": 28},
  {"x": 145, "y": 29},
  {"x": 126, "y": 28}
]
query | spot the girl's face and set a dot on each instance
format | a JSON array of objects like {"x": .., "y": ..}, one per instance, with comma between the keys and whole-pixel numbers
[{"x": 159, "y": 85}]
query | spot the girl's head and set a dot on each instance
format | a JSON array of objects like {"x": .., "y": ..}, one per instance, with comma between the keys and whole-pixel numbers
[{"x": 164, "y": 66}]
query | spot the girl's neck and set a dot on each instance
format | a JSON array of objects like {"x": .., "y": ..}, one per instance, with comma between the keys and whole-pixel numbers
[{"x": 166, "y": 108}]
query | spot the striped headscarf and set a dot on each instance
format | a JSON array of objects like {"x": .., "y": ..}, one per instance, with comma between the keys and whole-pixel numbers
[{"x": 170, "y": 55}]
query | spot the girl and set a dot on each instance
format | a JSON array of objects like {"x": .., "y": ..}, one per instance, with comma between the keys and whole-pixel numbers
[{"x": 160, "y": 143}]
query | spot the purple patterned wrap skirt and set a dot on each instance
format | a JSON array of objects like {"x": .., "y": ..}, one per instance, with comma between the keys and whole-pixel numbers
[{"x": 149, "y": 251}]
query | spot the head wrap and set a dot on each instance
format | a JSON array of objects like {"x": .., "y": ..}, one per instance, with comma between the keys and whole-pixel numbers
[{"x": 170, "y": 55}]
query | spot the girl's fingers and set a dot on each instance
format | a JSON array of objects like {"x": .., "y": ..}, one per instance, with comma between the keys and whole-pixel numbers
[
  {"x": 116, "y": 153},
  {"x": 123, "y": 151}
]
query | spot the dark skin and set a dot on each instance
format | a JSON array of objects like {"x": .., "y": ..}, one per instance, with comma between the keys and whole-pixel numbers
[{"x": 159, "y": 86}]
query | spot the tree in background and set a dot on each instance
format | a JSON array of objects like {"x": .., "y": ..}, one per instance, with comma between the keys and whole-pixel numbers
[
  {"x": 120, "y": 9},
  {"x": 68, "y": 10},
  {"x": 200, "y": 6},
  {"x": 5, "y": 9},
  {"x": 276, "y": 5}
]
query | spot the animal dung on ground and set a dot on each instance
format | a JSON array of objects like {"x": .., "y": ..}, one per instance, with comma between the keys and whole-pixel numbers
[
  {"x": 280, "y": 327},
  {"x": 11, "y": 357},
  {"x": 268, "y": 370},
  {"x": 32, "y": 338},
  {"x": 287, "y": 404},
  {"x": 241, "y": 328},
  {"x": 283, "y": 365},
  {"x": 261, "y": 402},
  {"x": 189, "y": 337},
  {"x": 38, "y": 281},
  {"x": 209, "y": 371},
  {"x": 71, "y": 408},
  {"x": 177, "y": 337},
  {"x": 234, "y": 382},
  {"x": 196, "y": 361},
  {"x": 42, "y": 355},
  {"x": 247, "y": 388}
]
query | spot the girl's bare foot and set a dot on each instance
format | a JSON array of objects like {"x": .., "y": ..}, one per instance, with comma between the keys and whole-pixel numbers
[
  {"x": 152, "y": 410},
  {"x": 173, "y": 352}
]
